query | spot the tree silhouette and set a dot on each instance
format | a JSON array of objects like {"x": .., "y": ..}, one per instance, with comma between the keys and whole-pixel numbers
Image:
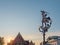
[{"x": 1, "y": 40}]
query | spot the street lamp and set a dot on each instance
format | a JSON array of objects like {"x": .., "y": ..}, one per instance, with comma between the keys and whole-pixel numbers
[{"x": 46, "y": 24}]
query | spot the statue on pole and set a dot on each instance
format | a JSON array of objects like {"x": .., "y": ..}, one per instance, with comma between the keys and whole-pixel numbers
[{"x": 46, "y": 24}]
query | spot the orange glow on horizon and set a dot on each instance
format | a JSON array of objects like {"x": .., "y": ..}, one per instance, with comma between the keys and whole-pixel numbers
[
  {"x": 9, "y": 39},
  {"x": 37, "y": 38}
]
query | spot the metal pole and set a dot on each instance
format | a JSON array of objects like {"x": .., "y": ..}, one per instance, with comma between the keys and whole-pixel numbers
[{"x": 43, "y": 38}]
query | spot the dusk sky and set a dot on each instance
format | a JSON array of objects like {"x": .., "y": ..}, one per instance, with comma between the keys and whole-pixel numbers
[{"x": 24, "y": 16}]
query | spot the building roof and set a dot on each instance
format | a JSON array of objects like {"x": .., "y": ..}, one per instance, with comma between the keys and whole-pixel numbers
[
  {"x": 54, "y": 37},
  {"x": 20, "y": 41},
  {"x": 18, "y": 38}
]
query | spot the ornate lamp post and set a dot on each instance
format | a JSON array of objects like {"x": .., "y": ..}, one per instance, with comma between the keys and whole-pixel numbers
[{"x": 46, "y": 24}]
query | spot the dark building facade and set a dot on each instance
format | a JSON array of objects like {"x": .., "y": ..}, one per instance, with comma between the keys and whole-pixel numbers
[{"x": 20, "y": 41}]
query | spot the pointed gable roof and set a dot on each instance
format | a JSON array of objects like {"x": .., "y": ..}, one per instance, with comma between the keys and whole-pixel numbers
[{"x": 18, "y": 38}]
